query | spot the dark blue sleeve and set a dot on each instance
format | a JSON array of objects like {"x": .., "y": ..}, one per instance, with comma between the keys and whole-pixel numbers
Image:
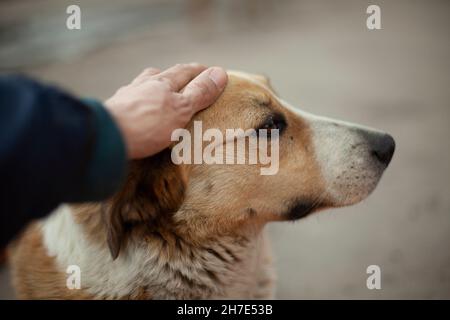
[{"x": 54, "y": 148}]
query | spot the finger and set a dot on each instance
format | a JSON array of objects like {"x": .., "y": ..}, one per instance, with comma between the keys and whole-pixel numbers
[
  {"x": 145, "y": 75},
  {"x": 205, "y": 88},
  {"x": 180, "y": 75}
]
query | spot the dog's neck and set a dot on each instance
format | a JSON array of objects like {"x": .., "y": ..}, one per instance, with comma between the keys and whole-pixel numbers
[
  {"x": 153, "y": 264},
  {"x": 193, "y": 270}
]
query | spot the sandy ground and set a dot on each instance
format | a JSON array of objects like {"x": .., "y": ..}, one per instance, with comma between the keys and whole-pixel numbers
[{"x": 320, "y": 57}]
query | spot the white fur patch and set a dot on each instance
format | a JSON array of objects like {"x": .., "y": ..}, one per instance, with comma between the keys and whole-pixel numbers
[
  {"x": 140, "y": 265},
  {"x": 100, "y": 275}
]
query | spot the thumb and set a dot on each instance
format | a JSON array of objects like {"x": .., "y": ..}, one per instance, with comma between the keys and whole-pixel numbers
[{"x": 204, "y": 89}]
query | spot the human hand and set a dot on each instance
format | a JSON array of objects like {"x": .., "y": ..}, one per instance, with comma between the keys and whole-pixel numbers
[{"x": 155, "y": 103}]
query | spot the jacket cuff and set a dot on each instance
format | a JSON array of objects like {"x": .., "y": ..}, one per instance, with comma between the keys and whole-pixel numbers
[{"x": 107, "y": 167}]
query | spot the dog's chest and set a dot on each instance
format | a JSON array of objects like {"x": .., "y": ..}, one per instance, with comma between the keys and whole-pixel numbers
[{"x": 218, "y": 270}]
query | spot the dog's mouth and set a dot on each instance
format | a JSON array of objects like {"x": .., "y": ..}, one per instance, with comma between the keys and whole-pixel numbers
[{"x": 301, "y": 208}]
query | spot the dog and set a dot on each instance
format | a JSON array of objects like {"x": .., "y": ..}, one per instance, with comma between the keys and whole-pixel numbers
[{"x": 197, "y": 231}]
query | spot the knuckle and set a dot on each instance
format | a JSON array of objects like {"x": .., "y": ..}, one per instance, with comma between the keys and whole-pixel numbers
[
  {"x": 150, "y": 71},
  {"x": 165, "y": 83},
  {"x": 180, "y": 65}
]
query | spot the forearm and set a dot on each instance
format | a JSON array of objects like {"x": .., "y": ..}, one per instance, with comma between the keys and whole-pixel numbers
[{"x": 53, "y": 148}]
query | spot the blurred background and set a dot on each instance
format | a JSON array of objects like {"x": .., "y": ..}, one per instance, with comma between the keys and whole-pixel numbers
[{"x": 320, "y": 57}]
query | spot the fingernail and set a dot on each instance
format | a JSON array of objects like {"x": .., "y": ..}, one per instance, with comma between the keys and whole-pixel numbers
[{"x": 218, "y": 76}]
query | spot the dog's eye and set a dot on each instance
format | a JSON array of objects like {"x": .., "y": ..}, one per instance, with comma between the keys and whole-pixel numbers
[
  {"x": 271, "y": 124},
  {"x": 275, "y": 121}
]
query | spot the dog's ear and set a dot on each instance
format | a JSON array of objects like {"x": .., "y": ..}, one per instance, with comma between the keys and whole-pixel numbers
[
  {"x": 154, "y": 188},
  {"x": 265, "y": 81},
  {"x": 261, "y": 78}
]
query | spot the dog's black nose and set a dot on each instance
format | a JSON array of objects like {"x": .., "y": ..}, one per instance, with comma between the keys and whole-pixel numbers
[{"x": 382, "y": 147}]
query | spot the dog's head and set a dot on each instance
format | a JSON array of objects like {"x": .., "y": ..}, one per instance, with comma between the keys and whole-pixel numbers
[{"x": 322, "y": 163}]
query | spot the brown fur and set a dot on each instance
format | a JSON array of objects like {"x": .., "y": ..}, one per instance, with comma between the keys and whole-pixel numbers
[
  {"x": 38, "y": 278},
  {"x": 187, "y": 213}
]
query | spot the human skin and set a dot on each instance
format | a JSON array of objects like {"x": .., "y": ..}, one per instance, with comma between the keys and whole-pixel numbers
[{"x": 157, "y": 102}]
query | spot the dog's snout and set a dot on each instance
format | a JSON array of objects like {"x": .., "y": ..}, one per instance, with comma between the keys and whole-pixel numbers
[
  {"x": 380, "y": 144},
  {"x": 382, "y": 147}
]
